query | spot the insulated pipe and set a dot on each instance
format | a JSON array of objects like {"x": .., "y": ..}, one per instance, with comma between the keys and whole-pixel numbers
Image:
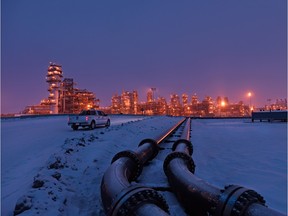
[
  {"x": 200, "y": 198},
  {"x": 119, "y": 196}
]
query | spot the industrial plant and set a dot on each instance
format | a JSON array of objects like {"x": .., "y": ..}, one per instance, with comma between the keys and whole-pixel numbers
[
  {"x": 64, "y": 98},
  {"x": 127, "y": 103}
]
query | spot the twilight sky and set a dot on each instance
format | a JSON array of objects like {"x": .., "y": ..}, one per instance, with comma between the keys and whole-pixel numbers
[{"x": 215, "y": 48}]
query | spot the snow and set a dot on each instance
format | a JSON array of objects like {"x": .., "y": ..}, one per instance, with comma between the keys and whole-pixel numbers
[
  {"x": 70, "y": 164},
  {"x": 239, "y": 152}
]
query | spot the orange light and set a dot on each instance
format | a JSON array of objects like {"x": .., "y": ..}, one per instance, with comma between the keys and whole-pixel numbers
[{"x": 223, "y": 103}]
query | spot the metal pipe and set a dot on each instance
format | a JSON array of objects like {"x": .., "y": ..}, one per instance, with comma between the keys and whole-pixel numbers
[
  {"x": 195, "y": 196},
  {"x": 147, "y": 150},
  {"x": 186, "y": 131},
  {"x": 119, "y": 195},
  {"x": 201, "y": 198},
  {"x": 260, "y": 210},
  {"x": 115, "y": 180},
  {"x": 149, "y": 210},
  {"x": 167, "y": 133}
]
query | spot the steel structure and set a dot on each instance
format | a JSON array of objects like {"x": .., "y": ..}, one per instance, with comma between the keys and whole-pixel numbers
[{"x": 54, "y": 78}]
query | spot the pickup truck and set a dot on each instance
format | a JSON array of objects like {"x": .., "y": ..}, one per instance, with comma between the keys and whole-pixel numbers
[{"x": 89, "y": 118}]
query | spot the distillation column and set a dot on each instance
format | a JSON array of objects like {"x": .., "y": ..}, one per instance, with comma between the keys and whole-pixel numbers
[{"x": 54, "y": 78}]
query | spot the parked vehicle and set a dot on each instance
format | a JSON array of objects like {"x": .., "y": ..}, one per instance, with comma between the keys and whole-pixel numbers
[{"x": 89, "y": 118}]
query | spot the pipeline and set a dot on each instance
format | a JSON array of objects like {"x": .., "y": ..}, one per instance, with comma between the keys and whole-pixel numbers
[
  {"x": 201, "y": 198},
  {"x": 120, "y": 195}
]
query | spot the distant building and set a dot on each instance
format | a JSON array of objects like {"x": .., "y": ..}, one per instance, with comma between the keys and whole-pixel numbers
[
  {"x": 67, "y": 96},
  {"x": 150, "y": 96},
  {"x": 37, "y": 109},
  {"x": 150, "y": 107},
  {"x": 54, "y": 78},
  {"x": 207, "y": 107},
  {"x": 63, "y": 96},
  {"x": 175, "y": 108},
  {"x": 162, "y": 107},
  {"x": 186, "y": 107},
  {"x": 129, "y": 101},
  {"x": 279, "y": 104},
  {"x": 223, "y": 108},
  {"x": 126, "y": 103},
  {"x": 84, "y": 99},
  {"x": 116, "y": 104},
  {"x": 185, "y": 99}
]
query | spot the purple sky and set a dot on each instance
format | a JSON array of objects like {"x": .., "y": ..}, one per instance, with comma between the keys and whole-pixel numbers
[{"x": 215, "y": 48}]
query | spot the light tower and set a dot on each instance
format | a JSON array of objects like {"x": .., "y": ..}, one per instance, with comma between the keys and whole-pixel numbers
[{"x": 54, "y": 78}]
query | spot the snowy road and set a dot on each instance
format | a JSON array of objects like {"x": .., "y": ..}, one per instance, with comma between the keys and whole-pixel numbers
[{"x": 231, "y": 151}]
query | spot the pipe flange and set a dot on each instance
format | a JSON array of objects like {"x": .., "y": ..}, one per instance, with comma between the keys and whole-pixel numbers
[
  {"x": 235, "y": 200},
  {"x": 188, "y": 160},
  {"x": 133, "y": 156},
  {"x": 224, "y": 197},
  {"x": 245, "y": 199},
  {"x": 140, "y": 197},
  {"x": 153, "y": 144},
  {"x": 188, "y": 144}
]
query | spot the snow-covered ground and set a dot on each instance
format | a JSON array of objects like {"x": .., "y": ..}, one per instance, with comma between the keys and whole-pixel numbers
[
  {"x": 27, "y": 145},
  {"x": 70, "y": 164},
  {"x": 239, "y": 152}
]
